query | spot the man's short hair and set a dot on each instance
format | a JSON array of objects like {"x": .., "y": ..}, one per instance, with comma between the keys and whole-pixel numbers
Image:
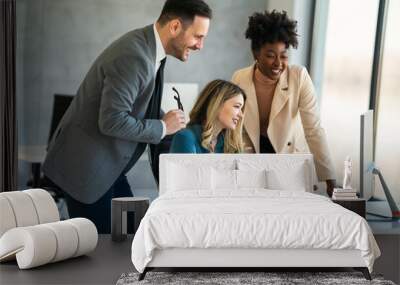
[{"x": 185, "y": 10}]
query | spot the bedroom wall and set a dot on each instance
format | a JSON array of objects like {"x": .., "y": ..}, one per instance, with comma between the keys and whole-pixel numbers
[{"x": 57, "y": 40}]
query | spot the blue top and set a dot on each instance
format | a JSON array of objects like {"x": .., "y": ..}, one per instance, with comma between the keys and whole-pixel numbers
[{"x": 189, "y": 141}]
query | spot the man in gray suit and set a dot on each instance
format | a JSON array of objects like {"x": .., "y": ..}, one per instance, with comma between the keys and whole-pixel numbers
[{"x": 116, "y": 111}]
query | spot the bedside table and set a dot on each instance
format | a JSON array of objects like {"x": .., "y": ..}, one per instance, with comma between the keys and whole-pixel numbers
[
  {"x": 119, "y": 208},
  {"x": 355, "y": 205}
]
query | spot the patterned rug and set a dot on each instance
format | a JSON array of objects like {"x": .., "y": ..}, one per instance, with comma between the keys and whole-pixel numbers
[{"x": 244, "y": 278}]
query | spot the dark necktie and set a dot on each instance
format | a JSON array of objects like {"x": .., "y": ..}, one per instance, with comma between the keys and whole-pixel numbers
[{"x": 154, "y": 113}]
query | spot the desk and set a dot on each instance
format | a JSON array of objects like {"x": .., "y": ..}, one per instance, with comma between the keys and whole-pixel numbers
[
  {"x": 102, "y": 266},
  {"x": 36, "y": 154},
  {"x": 383, "y": 226}
]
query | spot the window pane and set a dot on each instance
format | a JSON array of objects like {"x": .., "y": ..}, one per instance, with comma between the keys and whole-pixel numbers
[
  {"x": 387, "y": 155},
  {"x": 346, "y": 83}
]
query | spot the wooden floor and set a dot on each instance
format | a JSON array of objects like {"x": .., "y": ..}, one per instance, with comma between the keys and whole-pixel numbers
[{"x": 103, "y": 266}]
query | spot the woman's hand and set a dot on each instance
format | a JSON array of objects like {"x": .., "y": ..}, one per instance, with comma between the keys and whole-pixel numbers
[{"x": 330, "y": 184}]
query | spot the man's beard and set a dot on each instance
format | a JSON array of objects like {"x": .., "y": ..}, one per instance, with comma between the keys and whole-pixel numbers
[{"x": 178, "y": 48}]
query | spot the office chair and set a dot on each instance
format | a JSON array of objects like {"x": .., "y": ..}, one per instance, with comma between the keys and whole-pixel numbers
[{"x": 60, "y": 106}]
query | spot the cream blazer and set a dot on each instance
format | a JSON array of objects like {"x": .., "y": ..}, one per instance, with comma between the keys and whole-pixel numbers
[{"x": 294, "y": 123}]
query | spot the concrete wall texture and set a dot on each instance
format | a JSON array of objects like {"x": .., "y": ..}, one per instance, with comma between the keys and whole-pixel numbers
[{"x": 57, "y": 40}]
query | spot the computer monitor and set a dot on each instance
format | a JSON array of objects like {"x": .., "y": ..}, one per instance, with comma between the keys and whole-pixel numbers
[
  {"x": 367, "y": 155},
  {"x": 368, "y": 170}
]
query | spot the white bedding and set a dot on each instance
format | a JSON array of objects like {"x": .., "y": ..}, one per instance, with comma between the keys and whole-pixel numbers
[{"x": 252, "y": 218}]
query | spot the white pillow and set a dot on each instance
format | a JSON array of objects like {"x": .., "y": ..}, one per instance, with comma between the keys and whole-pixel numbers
[
  {"x": 224, "y": 179},
  {"x": 227, "y": 179},
  {"x": 251, "y": 178},
  {"x": 188, "y": 177},
  {"x": 295, "y": 178}
]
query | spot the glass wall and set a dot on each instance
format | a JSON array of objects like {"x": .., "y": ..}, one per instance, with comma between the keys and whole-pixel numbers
[
  {"x": 387, "y": 153},
  {"x": 346, "y": 81}
]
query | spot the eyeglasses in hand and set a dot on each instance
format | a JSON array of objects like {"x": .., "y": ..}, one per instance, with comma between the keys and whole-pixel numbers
[{"x": 177, "y": 98}]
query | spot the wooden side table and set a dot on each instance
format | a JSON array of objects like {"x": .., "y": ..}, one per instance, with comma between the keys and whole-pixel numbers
[
  {"x": 355, "y": 205},
  {"x": 119, "y": 209}
]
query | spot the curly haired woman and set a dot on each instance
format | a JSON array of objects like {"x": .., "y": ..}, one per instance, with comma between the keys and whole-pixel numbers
[{"x": 281, "y": 109}]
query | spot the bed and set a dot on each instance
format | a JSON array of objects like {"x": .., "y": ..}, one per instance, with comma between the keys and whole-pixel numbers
[{"x": 246, "y": 211}]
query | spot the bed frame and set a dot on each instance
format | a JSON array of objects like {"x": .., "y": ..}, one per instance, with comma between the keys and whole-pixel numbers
[{"x": 248, "y": 259}]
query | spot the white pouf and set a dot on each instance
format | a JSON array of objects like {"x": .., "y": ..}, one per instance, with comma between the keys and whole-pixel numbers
[{"x": 31, "y": 231}]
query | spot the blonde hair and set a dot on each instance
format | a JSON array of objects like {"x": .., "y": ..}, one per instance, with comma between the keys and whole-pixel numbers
[{"x": 206, "y": 109}]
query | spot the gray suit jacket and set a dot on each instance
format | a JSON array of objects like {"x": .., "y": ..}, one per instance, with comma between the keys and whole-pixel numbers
[{"x": 106, "y": 120}]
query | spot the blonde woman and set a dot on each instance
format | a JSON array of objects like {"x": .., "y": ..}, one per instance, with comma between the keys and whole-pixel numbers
[{"x": 215, "y": 124}]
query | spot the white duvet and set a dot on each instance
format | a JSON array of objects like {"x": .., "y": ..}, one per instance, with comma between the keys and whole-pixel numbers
[{"x": 253, "y": 218}]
